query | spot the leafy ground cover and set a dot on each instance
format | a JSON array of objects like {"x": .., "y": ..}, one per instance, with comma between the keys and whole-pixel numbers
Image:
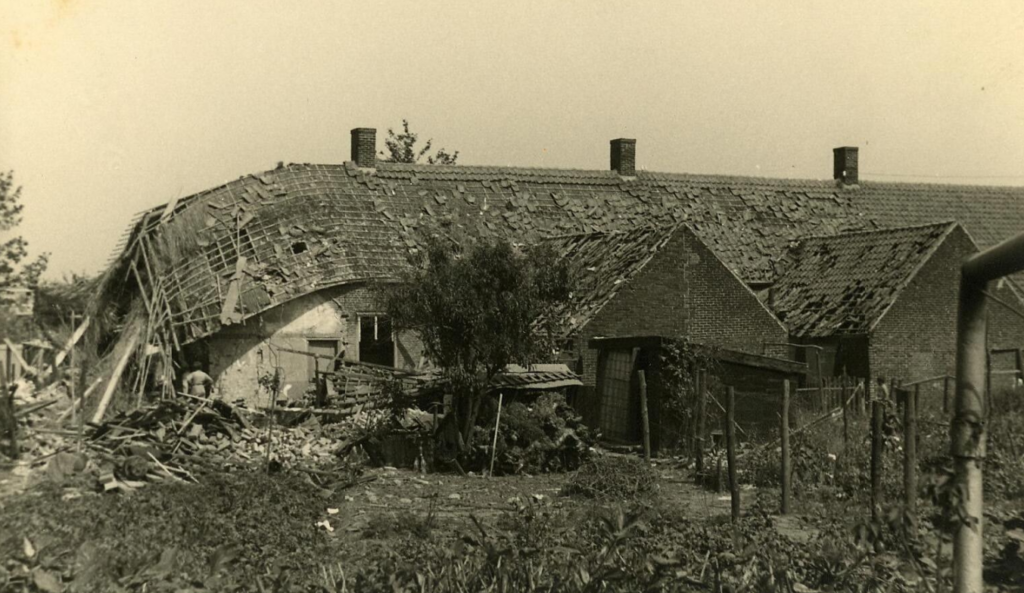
[{"x": 613, "y": 525}]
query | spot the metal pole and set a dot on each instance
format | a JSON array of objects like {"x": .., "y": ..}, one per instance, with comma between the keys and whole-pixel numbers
[
  {"x": 786, "y": 472},
  {"x": 967, "y": 434},
  {"x": 967, "y": 430}
]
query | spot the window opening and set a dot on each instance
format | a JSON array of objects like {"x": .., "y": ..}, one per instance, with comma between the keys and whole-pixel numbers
[{"x": 376, "y": 342}]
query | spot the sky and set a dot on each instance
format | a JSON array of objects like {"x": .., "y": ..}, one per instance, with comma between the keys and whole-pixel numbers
[{"x": 111, "y": 107}]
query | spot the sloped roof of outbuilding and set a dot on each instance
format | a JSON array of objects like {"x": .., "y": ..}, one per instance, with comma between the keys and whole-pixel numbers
[
  {"x": 223, "y": 255},
  {"x": 843, "y": 284},
  {"x": 602, "y": 264}
]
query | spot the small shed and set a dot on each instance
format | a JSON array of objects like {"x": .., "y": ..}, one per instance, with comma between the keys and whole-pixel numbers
[
  {"x": 617, "y": 411},
  {"x": 883, "y": 303}
]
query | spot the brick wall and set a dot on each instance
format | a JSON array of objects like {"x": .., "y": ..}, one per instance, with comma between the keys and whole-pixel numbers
[
  {"x": 916, "y": 338},
  {"x": 684, "y": 291}
]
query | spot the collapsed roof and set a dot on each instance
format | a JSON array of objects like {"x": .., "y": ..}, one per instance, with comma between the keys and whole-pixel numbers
[{"x": 223, "y": 255}]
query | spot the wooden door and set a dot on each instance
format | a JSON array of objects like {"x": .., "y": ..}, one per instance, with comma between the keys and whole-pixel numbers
[{"x": 619, "y": 400}]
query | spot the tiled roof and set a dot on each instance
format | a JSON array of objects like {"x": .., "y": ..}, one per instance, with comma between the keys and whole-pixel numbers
[
  {"x": 305, "y": 227},
  {"x": 842, "y": 284},
  {"x": 602, "y": 263}
]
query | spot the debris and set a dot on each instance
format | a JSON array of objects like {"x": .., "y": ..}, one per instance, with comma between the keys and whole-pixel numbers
[
  {"x": 115, "y": 377},
  {"x": 71, "y": 342}
]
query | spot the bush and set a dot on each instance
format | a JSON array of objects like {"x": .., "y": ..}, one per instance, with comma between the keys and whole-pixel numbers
[
  {"x": 547, "y": 436},
  {"x": 612, "y": 476}
]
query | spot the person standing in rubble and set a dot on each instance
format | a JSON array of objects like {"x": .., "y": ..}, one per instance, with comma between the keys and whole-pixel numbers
[{"x": 198, "y": 383}]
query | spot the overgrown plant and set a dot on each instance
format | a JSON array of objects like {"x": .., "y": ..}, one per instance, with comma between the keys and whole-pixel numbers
[
  {"x": 682, "y": 360},
  {"x": 401, "y": 148},
  {"x": 476, "y": 311}
]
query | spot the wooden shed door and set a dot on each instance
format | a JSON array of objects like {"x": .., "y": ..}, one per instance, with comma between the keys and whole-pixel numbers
[{"x": 620, "y": 406}]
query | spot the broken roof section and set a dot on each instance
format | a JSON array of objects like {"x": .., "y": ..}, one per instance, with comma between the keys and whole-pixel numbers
[
  {"x": 843, "y": 284},
  {"x": 602, "y": 263},
  {"x": 537, "y": 377},
  {"x": 226, "y": 254}
]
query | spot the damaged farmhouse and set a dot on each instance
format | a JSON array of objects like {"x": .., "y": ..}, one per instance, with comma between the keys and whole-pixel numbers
[{"x": 267, "y": 269}]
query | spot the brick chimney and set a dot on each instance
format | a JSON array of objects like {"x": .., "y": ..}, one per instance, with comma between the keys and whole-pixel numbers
[
  {"x": 844, "y": 164},
  {"x": 624, "y": 156},
  {"x": 364, "y": 147}
]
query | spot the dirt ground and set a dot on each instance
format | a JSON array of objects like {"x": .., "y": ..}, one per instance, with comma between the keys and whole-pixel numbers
[{"x": 453, "y": 498}]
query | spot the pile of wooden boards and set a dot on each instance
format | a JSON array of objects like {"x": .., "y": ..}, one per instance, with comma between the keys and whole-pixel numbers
[{"x": 179, "y": 439}]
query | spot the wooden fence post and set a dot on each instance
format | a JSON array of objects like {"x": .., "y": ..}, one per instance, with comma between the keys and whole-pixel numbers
[
  {"x": 786, "y": 471},
  {"x": 876, "y": 453},
  {"x": 645, "y": 421},
  {"x": 700, "y": 429},
  {"x": 497, "y": 426},
  {"x": 846, "y": 413},
  {"x": 910, "y": 461},
  {"x": 945, "y": 394},
  {"x": 7, "y": 418},
  {"x": 821, "y": 380},
  {"x": 989, "y": 400},
  {"x": 730, "y": 443}
]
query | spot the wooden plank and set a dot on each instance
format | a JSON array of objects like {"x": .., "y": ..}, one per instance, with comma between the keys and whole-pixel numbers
[
  {"x": 730, "y": 443},
  {"x": 644, "y": 419},
  {"x": 786, "y": 468},
  {"x": 16, "y": 352},
  {"x": 910, "y": 462},
  {"x": 71, "y": 342},
  {"x": 701, "y": 429},
  {"x": 876, "y": 455},
  {"x": 78, "y": 401},
  {"x": 115, "y": 377}
]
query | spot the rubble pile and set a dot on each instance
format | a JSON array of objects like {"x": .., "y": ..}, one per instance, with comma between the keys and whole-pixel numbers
[{"x": 178, "y": 439}]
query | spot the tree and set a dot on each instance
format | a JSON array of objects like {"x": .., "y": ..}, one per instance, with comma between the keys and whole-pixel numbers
[
  {"x": 401, "y": 148},
  {"x": 15, "y": 249},
  {"x": 14, "y": 272},
  {"x": 479, "y": 310}
]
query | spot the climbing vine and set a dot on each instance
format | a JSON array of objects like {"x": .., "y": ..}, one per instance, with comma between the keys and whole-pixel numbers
[{"x": 681, "y": 362}]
